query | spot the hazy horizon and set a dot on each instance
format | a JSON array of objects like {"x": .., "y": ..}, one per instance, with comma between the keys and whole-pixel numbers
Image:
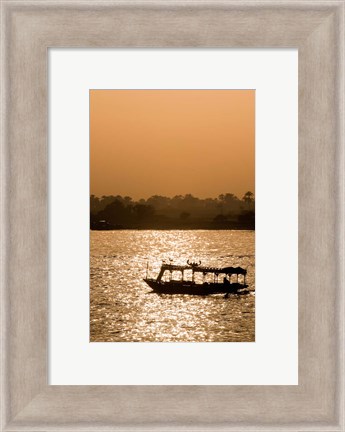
[{"x": 173, "y": 196}]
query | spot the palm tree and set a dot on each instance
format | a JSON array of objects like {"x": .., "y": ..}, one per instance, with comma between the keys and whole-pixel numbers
[{"x": 248, "y": 198}]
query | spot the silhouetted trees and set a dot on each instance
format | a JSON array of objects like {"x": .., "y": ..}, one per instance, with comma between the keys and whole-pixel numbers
[
  {"x": 248, "y": 198},
  {"x": 180, "y": 211},
  {"x": 184, "y": 215}
]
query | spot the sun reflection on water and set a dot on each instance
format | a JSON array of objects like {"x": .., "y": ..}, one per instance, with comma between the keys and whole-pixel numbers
[{"x": 123, "y": 309}]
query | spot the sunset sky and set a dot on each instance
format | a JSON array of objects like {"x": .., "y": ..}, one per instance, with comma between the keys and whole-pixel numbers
[{"x": 172, "y": 142}]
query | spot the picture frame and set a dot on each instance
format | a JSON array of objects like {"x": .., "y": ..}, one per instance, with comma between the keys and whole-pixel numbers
[{"x": 29, "y": 28}]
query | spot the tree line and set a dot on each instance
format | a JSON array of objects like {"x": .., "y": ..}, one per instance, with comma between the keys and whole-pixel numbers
[{"x": 178, "y": 212}]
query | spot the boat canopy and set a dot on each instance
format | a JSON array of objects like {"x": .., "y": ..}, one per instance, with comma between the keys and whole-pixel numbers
[{"x": 202, "y": 269}]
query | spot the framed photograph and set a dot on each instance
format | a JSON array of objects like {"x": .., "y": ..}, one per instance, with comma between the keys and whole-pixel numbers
[{"x": 172, "y": 216}]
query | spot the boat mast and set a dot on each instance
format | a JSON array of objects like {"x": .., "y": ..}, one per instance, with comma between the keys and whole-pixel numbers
[{"x": 147, "y": 269}]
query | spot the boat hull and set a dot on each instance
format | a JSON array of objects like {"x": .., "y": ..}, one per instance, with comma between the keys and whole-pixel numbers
[{"x": 196, "y": 289}]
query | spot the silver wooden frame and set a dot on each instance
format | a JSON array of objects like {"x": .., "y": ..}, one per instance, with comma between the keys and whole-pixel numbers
[{"x": 28, "y": 29}]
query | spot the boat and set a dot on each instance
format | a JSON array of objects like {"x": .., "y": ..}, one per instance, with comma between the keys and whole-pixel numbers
[{"x": 225, "y": 280}]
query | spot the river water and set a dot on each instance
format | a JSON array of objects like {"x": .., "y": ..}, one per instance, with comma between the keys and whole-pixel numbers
[{"x": 122, "y": 308}]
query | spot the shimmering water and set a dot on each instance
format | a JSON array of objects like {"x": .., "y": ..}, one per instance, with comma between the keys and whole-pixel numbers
[{"x": 122, "y": 308}]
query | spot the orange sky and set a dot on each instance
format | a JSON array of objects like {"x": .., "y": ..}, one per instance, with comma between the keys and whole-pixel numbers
[{"x": 172, "y": 142}]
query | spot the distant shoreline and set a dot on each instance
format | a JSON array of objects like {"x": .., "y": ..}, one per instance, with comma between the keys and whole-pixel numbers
[
  {"x": 174, "y": 224},
  {"x": 227, "y": 212},
  {"x": 176, "y": 229}
]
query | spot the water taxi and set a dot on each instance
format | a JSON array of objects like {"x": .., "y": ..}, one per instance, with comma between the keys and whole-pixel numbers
[{"x": 213, "y": 280}]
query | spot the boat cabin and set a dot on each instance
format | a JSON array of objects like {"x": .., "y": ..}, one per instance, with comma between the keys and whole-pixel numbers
[{"x": 189, "y": 273}]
